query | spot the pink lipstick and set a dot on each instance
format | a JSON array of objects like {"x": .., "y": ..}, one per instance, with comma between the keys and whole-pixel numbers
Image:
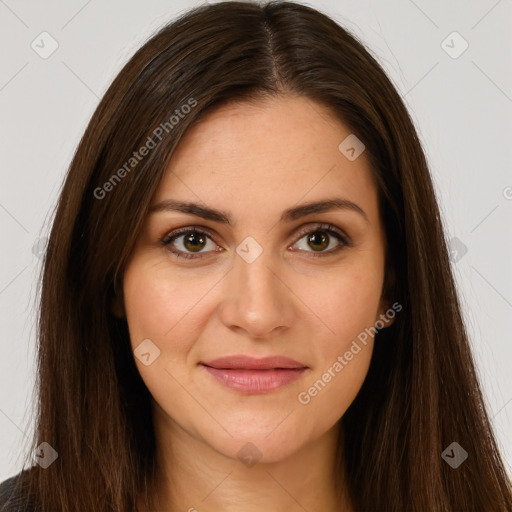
[{"x": 254, "y": 376}]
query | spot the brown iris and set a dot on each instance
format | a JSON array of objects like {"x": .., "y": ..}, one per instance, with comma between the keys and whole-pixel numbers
[
  {"x": 318, "y": 237},
  {"x": 194, "y": 241}
]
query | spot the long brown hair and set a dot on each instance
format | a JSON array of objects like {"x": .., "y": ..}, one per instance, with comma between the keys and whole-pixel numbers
[{"x": 421, "y": 392}]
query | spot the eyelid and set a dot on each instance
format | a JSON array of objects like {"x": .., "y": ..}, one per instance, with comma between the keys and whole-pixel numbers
[
  {"x": 322, "y": 226},
  {"x": 187, "y": 229}
]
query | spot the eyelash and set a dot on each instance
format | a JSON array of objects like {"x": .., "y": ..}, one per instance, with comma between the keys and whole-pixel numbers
[{"x": 327, "y": 228}]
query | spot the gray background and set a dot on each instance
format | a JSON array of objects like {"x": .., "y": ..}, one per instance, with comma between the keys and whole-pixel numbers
[{"x": 461, "y": 106}]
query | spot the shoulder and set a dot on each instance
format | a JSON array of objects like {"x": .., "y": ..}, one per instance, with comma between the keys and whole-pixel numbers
[{"x": 13, "y": 496}]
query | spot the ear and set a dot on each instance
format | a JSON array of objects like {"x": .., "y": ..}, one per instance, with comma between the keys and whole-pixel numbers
[{"x": 386, "y": 313}]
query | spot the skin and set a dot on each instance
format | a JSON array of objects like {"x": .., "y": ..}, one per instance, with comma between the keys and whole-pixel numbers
[{"x": 254, "y": 161}]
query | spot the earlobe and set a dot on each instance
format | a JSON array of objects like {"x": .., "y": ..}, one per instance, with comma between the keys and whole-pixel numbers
[{"x": 386, "y": 316}]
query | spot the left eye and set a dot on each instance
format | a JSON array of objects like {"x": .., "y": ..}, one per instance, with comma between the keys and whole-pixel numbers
[
  {"x": 193, "y": 241},
  {"x": 320, "y": 238}
]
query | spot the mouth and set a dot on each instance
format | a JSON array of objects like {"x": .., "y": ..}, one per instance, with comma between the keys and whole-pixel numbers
[{"x": 254, "y": 376}]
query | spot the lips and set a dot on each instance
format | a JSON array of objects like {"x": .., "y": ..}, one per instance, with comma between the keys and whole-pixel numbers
[
  {"x": 254, "y": 376},
  {"x": 243, "y": 362}
]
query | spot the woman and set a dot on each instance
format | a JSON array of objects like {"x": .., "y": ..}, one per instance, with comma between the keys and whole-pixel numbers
[{"x": 247, "y": 301}]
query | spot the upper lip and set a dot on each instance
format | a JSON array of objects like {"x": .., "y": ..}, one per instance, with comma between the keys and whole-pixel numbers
[{"x": 252, "y": 363}]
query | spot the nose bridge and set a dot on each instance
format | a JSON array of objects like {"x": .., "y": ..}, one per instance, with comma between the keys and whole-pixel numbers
[
  {"x": 258, "y": 301},
  {"x": 258, "y": 286}
]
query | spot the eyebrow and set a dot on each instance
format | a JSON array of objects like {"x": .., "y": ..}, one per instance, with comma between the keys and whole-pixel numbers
[{"x": 288, "y": 215}]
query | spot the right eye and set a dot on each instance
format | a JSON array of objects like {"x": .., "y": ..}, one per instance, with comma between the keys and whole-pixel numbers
[{"x": 190, "y": 239}]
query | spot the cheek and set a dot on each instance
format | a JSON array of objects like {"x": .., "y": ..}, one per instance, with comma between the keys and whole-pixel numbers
[
  {"x": 159, "y": 306},
  {"x": 349, "y": 307},
  {"x": 343, "y": 358},
  {"x": 346, "y": 300},
  {"x": 332, "y": 389},
  {"x": 170, "y": 308},
  {"x": 159, "y": 301}
]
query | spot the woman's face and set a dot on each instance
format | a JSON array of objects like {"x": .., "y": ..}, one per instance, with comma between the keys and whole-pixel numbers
[{"x": 277, "y": 280}]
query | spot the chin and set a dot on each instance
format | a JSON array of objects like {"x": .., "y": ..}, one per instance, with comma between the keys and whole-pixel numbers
[{"x": 258, "y": 447}]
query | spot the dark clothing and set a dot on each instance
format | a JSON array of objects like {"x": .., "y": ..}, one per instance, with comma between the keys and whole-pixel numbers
[{"x": 12, "y": 496}]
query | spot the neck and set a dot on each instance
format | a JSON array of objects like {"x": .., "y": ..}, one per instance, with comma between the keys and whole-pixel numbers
[{"x": 193, "y": 476}]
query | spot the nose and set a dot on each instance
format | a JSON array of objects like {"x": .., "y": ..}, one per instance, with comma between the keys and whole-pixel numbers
[{"x": 256, "y": 298}]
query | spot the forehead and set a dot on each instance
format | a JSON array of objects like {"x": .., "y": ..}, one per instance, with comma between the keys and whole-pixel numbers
[{"x": 273, "y": 153}]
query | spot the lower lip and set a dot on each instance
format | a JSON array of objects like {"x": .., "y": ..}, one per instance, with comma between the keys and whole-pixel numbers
[{"x": 255, "y": 381}]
